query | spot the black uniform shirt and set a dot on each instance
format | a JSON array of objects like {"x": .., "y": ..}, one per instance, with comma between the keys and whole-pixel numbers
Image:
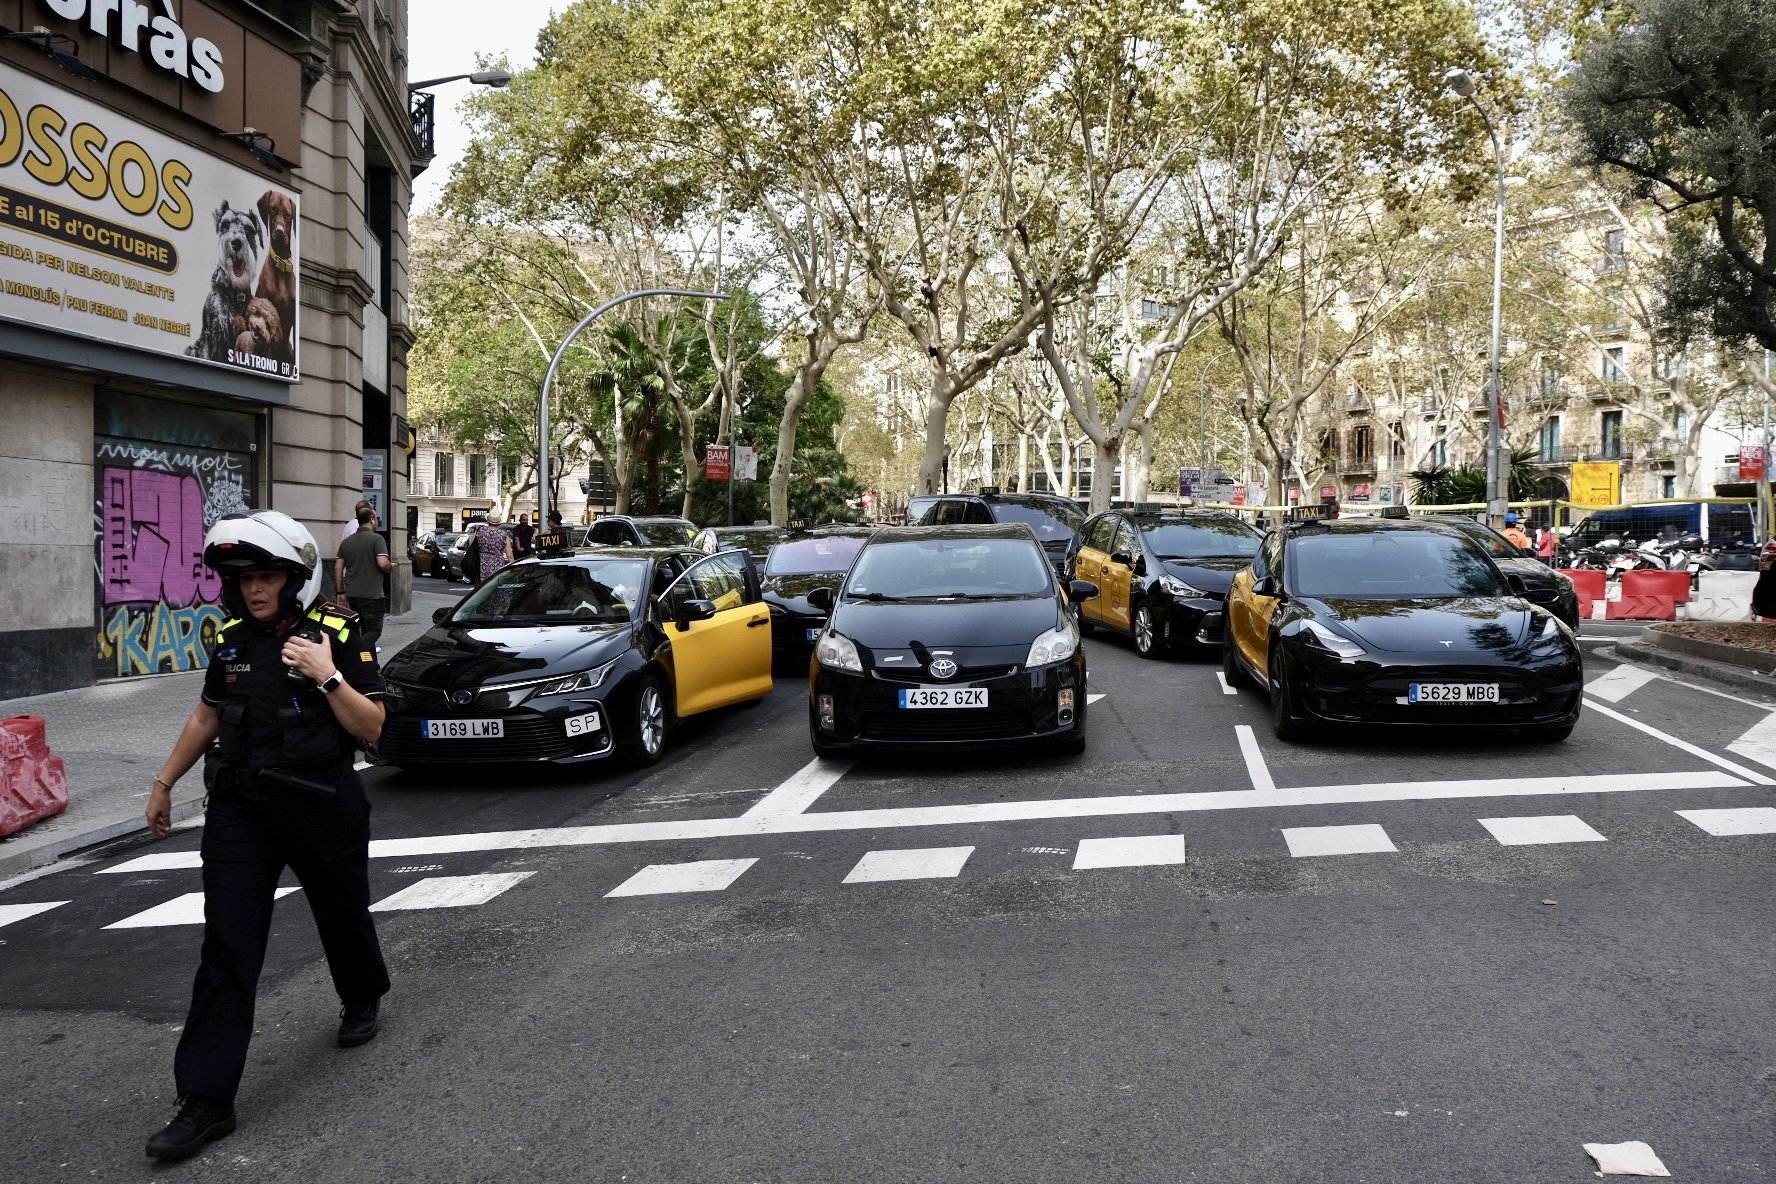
[{"x": 247, "y": 677}]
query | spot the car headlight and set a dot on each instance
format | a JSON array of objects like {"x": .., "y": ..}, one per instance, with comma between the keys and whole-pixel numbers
[
  {"x": 585, "y": 680},
  {"x": 836, "y": 652},
  {"x": 1332, "y": 642},
  {"x": 1554, "y": 632},
  {"x": 1179, "y": 588},
  {"x": 394, "y": 691},
  {"x": 1057, "y": 645}
]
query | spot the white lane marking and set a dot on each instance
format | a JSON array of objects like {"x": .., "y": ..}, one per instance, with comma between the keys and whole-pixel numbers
[
  {"x": 1626, "y": 1159},
  {"x": 703, "y": 875},
  {"x": 1737, "y": 770},
  {"x": 1361, "y": 839},
  {"x": 1618, "y": 683},
  {"x": 1138, "y": 851},
  {"x": 181, "y": 910},
  {"x": 1544, "y": 828},
  {"x": 803, "y": 788},
  {"x": 1090, "y": 699},
  {"x": 18, "y": 912},
  {"x": 160, "y": 861},
  {"x": 1225, "y": 689},
  {"x": 1256, "y": 769},
  {"x": 1745, "y": 820},
  {"x": 450, "y": 892},
  {"x": 1758, "y": 742},
  {"x": 982, "y": 812},
  {"x": 914, "y": 863}
]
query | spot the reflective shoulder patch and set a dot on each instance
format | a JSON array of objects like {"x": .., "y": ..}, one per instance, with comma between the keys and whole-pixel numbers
[{"x": 366, "y": 656}]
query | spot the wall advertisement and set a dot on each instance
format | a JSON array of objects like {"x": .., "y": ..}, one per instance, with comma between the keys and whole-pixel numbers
[
  {"x": 1596, "y": 484},
  {"x": 113, "y": 231}
]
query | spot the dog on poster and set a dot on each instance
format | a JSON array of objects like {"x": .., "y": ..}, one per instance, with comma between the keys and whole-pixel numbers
[
  {"x": 238, "y": 239},
  {"x": 264, "y": 334},
  {"x": 277, "y": 279}
]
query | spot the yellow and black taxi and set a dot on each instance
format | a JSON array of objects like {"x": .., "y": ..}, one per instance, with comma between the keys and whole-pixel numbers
[
  {"x": 1399, "y": 622},
  {"x": 1162, "y": 575},
  {"x": 817, "y": 558},
  {"x": 948, "y": 636},
  {"x": 577, "y": 656}
]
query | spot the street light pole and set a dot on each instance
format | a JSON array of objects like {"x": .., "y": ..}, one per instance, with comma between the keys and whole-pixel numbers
[
  {"x": 1461, "y": 84},
  {"x": 555, "y": 362}
]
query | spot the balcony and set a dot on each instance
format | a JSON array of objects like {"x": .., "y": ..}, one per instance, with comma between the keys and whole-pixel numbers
[
  {"x": 1547, "y": 396},
  {"x": 1358, "y": 466},
  {"x": 1558, "y": 456},
  {"x": 1358, "y": 405}
]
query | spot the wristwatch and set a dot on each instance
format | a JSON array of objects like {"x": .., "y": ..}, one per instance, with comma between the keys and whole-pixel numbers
[{"x": 331, "y": 683}]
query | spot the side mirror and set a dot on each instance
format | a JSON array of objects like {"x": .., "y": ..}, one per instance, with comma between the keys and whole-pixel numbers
[
  {"x": 1079, "y": 590},
  {"x": 1122, "y": 557},
  {"x": 822, "y": 599},
  {"x": 693, "y": 610},
  {"x": 1267, "y": 586},
  {"x": 1517, "y": 585},
  {"x": 440, "y": 615}
]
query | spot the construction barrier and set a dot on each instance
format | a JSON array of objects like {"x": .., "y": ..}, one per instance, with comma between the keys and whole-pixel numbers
[
  {"x": 33, "y": 784},
  {"x": 1591, "y": 586},
  {"x": 1640, "y": 608},
  {"x": 1674, "y": 584}
]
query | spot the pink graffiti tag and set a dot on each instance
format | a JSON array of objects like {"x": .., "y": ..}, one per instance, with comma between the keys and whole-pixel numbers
[{"x": 154, "y": 531}]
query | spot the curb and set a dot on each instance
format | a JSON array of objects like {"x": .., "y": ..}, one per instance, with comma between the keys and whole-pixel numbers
[
  {"x": 1714, "y": 651},
  {"x": 1737, "y": 677},
  {"x": 28, "y": 856}
]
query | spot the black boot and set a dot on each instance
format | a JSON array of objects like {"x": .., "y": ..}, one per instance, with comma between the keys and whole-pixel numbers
[
  {"x": 198, "y": 1121},
  {"x": 357, "y": 1023}
]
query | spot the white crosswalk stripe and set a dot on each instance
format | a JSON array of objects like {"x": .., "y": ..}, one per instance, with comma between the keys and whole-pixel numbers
[
  {"x": 1138, "y": 851},
  {"x": 1758, "y": 742},
  {"x": 916, "y": 863},
  {"x": 18, "y": 912},
  {"x": 450, "y": 892},
  {"x": 1619, "y": 682},
  {"x": 1745, "y": 820},
  {"x": 1361, "y": 839},
  {"x": 181, "y": 910},
  {"x": 703, "y": 875},
  {"x": 1547, "y": 828}
]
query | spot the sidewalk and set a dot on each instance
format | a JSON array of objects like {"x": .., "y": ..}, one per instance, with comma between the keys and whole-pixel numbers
[{"x": 113, "y": 738}]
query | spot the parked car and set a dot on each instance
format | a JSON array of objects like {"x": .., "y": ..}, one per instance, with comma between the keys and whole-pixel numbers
[
  {"x": 1055, "y": 520},
  {"x": 631, "y": 530},
  {"x": 430, "y": 553},
  {"x": 1162, "y": 576},
  {"x": 758, "y": 540}
]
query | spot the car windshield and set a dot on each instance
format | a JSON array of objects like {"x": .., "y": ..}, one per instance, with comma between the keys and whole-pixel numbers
[
  {"x": 1201, "y": 538},
  {"x": 810, "y": 556},
  {"x": 1496, "y": 545},
  {"x": 444, "y": 540},
  {"x": 1052, "y": 522},
  {"x": 666, "y": 534},
  {"x": 1389, "y": 565},
  {"x": 556, "y": 593},
  {"x": 949, "y": 568},
  {"x": 758, "y": 542}
]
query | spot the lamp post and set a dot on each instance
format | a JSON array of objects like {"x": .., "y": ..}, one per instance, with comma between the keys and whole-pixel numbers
[
  {"x": 555, "y": 362},
  {"x": 493, "y": 78},
  {"x": 1461, "y": 84},
  {"x": 421, "y": 102}
]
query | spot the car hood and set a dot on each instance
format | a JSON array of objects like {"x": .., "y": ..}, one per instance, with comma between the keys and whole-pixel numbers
[
  {"x": 1211, "y": 573},
  {"x": 791, "y": 591},
  {"x": 1496, "y": 623},
  {"x": 1537, "y": 577},
  {"x": 448, "y": 656},
  {"x": 988, "y": 632}
]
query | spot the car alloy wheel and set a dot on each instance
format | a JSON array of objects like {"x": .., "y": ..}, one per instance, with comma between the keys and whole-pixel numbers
[
  {"x": 651, "y": 724},
  {"x": 1144, "y": 633}
]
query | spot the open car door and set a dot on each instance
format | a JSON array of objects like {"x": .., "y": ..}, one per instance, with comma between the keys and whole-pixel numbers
[{"x": 720, "y": 631}]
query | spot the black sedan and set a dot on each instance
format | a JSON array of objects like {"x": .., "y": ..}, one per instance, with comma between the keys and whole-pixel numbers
[
  {"x": 1542, "y": 585},
  {"x": 755, "y": 540},
  {"x": 817, "y": 559},
  {"x": 578, "y": 657},
  {"x": 949, "y": 636},
  {"x": 1162, "y": 576},
  {"x": 1373, "y": 621}
]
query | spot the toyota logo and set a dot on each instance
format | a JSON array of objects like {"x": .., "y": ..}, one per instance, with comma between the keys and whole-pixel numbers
[
  {"x": 461, "y": 698},
  {"x": 942, "y": 668}
]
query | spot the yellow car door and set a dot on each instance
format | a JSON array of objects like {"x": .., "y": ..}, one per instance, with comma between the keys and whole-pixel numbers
[
  {"x": 724, "y": 657},
  {"x": 1118, "y": 574},
  {"x": 1089, "y": 563},
  {"x": 1255, "y": 611}
]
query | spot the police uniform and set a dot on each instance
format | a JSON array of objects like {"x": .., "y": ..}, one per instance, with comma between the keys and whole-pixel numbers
[{"x": 282, "y": 793}]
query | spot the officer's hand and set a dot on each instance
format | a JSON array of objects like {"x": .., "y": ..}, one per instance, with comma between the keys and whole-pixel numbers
[
  {"x": 160, "y": 811},
  {"x": 308, "y": 657}
]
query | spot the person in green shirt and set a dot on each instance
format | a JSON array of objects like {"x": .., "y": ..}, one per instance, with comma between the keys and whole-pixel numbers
[{"x": 357, "y": 575}]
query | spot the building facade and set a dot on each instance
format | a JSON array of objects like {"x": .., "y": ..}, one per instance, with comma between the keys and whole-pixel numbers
[{"x": 203, "y": 308}]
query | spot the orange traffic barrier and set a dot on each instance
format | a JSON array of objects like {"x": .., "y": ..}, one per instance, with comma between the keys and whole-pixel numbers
[
  {"x": 1675, "y": 584},
  {"x": 1641, "y": 608},
  {"x": 33, "y": 784}
]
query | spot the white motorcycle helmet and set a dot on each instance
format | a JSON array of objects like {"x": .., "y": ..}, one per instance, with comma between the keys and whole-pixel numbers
[{"x": 262, "y": 540}]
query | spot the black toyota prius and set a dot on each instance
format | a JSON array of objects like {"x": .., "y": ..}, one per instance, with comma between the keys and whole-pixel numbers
[{"x": 950, "y": 635}]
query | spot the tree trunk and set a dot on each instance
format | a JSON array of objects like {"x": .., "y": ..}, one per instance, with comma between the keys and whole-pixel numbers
[
  {"x": 801, "y": 393},
  {"x": 1140, "y": 466},
  {"x": 624, "y": 475},
  {"x": 937, "y": 414},
  {"x": 687, "y": 447},
  {"x": 1104, "y": 458}
]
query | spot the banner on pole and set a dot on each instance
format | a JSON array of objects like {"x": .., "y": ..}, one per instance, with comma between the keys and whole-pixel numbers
[
  {"x": 746, "y": 463},
  {"x": 715, "y": 462}
]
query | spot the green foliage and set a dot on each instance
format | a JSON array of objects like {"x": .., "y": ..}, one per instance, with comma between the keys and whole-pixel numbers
[{"x": 1439, "y": 485}]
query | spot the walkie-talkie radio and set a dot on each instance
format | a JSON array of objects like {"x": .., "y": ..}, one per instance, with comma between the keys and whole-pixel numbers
[{"x": 308, "y": 631}]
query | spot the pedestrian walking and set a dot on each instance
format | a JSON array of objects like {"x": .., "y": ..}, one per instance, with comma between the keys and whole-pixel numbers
[
  {"x": 351, "y": 524},
  {"x": 494, "y": 546},
  {"x": 363, "y": 561},
  {"x": 1547, "y": 544},
  {"x": 1515, "y": 534},
  {"x": 289, "y": 692},
  {"x": 522, "y": 536}
]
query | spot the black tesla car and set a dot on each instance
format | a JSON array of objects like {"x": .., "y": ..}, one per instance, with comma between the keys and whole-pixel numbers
[
  {"x": 1408, "y": 622},
  {"x": 957, "y": 636},
  {"x": 1055, "y": 520},
  {"x": 1542, "y": 585},
  {"x": 756, "y": 540},
  {"x": 575, "y": 657},
  {"x": 1162, "y": 576},
  {"x": 818, "y": 559}
]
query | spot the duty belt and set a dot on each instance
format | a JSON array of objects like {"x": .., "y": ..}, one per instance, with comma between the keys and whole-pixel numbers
[{"x": 315, "y": 779}]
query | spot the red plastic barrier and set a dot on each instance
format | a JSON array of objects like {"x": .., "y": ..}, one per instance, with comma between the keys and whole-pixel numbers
[
  {"x": 33, "y": 784},
  {"x": 1590, "y": 585},
  {"x": 1641, "y": 608},
  {"x": 1675, "y": 584}
]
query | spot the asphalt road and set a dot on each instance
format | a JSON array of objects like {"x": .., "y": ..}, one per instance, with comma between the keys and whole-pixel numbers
[{"x": 1450, "y": 1007}]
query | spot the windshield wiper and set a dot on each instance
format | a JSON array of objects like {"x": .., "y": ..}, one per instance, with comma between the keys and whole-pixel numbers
[
  {"x": 990, "y": 595},
  {"x": 878, "y": 597}
]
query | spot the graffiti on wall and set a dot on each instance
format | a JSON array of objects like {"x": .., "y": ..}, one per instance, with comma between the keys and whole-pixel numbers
[{"x": 158, "y": 603}]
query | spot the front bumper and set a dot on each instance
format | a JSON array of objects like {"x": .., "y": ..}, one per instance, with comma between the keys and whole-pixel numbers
[
  {"x": 791, "y": 631},
  {"x": 1195, "y": 623},
  {"x": 1023, "y": 706},
  {"x": 532, "y": 733},
  {"x": 1547, "y": 693}
]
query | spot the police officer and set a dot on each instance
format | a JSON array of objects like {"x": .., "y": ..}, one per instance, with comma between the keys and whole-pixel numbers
[{"x": 289, "y": 693}]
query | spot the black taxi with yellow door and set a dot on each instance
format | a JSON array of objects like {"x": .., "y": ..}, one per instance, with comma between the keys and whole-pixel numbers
[
  {"x": 1396, "y": 621},
  {"x": 579, "y": 655},
  {"x": 1162, "y": 575}
]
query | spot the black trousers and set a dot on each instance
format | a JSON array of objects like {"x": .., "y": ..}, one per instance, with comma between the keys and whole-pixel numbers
[
  {"x": 250, "y": 836},
  {"x": 370, "y": 616}
]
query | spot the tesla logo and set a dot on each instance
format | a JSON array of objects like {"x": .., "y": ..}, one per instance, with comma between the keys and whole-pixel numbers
[
  {"x": 462, "y": 698},
  {"x": 1446, "y": 644},
  {"x": 942, "y": 668}
]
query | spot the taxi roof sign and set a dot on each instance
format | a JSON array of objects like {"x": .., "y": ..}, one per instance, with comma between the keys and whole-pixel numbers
[
  {"x": 551, "y": 540},
  {"x": 1395, "y": 512},
  {"x": 1313, "y": 512}
]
